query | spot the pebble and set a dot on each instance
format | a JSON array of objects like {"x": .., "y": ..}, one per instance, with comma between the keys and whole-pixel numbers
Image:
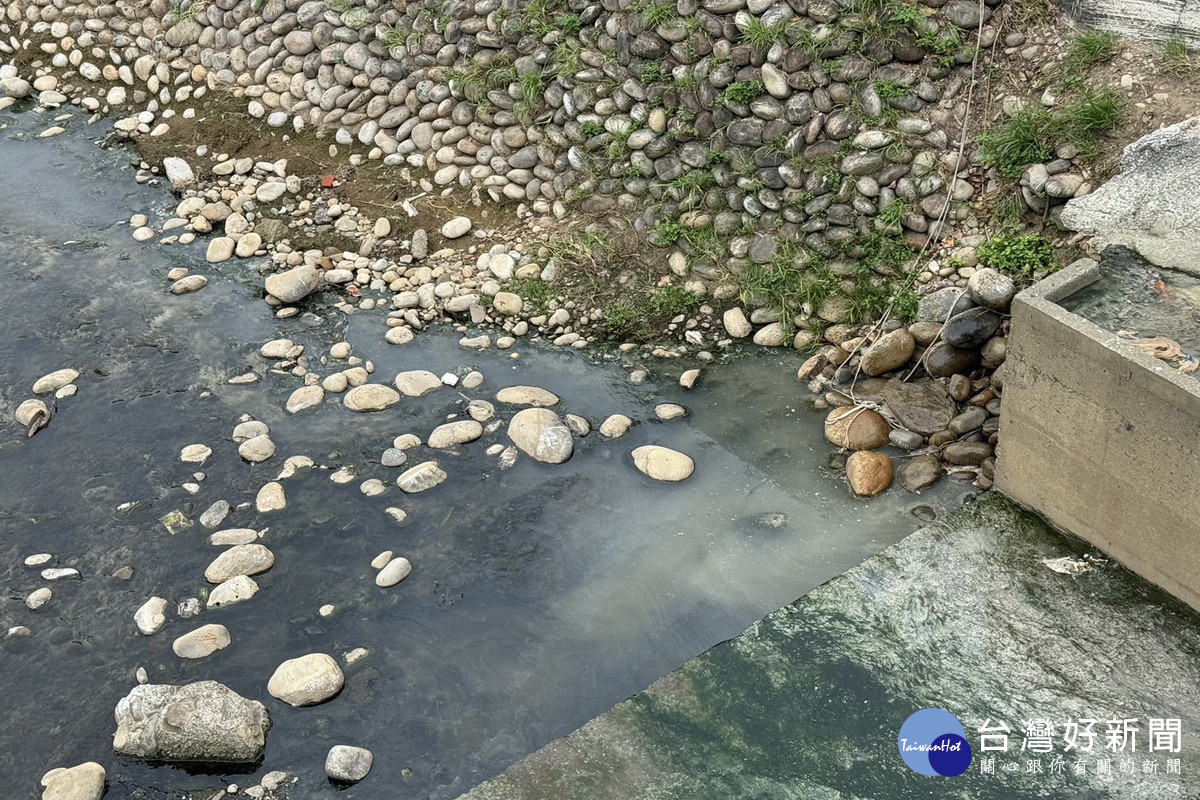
[
  {"x": 60, "y": 573},
  {"x": 372, "y": 487},
  {"x": 55, "y": 381},
  {"x": 393, "y": 572},
  {"x": 82, "y": 782},
  {"x": 615, "y": 426},
  {"x": 270, "y": 498},
  {"x": 244, "y": 431},
  {"x": 663, "y": 463},
  {"x": 305, "y": 397},
  {"x": 371, "y": 397},
  {"x": 202, "y": 642},
  {"x": 455, "y": 433},
  {"x": 527, "y": 396},
  {"x": 348, "y": 764},
  {"x": 38, "y": 598},
  {"x": 397, "y": 515},
  {"x": 151, "y": 616},
  {"x": 417, "y": 383},
  {"x": 215, "y": 514},
  {"x": 456, "y": 228},
  {"x": 666, "y": 411},
  {"x": 195, "y": 454},
  {"x": 235, "y": 590},
  {"x": 393, "y": 457},
  {"x": 306, "y": 680},
  {"x": 869, "y": 473},
  {"x": 688, "y": 379},
  {"x": 242, "y": 559},
  {"x": 38, "y": 559},
  {"x": 344, "y": 475},
  {"x": 257, "y": 449},
  {"x": 189, "y": 284},
  {"x": 232, "y": 536},
  {"x": 422, "y": 477},
  {"x": 380, "y": 561}
]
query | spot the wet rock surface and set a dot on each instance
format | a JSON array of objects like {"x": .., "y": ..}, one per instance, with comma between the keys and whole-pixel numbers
[{"x": 202, "y": 722}]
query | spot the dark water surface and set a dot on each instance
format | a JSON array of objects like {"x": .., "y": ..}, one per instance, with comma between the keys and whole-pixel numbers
[{"x": 540, "y": 596}]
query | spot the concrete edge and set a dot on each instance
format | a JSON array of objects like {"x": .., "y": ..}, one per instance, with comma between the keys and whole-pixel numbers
[{"x": 1046, "y": 295}]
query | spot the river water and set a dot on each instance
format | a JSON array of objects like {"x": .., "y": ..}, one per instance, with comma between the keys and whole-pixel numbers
[{"x": 540, "y": 596}]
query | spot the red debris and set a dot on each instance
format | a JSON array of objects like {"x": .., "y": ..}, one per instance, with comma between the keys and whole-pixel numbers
[{"x": 326, "y": 181}]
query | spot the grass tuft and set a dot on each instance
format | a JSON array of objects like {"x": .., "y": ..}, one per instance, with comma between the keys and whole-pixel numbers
[
  {"x": 1090, "y": 48},
  {"x": 1030, "y": 135},
  {"x": 1175, "y": 59}
]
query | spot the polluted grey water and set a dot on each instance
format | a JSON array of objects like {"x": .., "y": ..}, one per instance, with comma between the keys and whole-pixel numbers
[
  {"x": 1142, "y": 300},
  {"x": 540, "y": 596},
  {"x": 965, "y": 615}
]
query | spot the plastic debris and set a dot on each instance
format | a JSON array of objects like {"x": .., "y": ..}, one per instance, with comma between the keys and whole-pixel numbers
[
  {"x": 176, "y": 522},
  {"x": 1159, "y": 347},
  {"x": 1067, "y": 565}
]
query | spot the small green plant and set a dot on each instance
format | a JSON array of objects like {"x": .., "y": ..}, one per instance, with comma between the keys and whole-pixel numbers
[
  {"x": 651, "y": 72},
  {"x": 904, "y": 301},
  {"x": 1021, "y": 140},
  {"x": 667, "y": 231},
  {"x": 590, "y": 128},
  {"x": 1020, "y": 255},
  {"x": 542, "y": 17},
  {"x": 668, "y": 301},
  {"x": 1089, "y": 49},
  {"x": 867, "y": 302},
  {"x": 622, "y": 318},
  {"x": 566, "y": 56},
  {"x": 656, "y": 13},
  {"x": 690, "y": 186},
  {"x": 393, "y": 37},
  {"x": 886, "y": 89},
  {"x": 187, "y": 12},
  {"x": 893, "y": 213},
  {"x": 760, "y": 34},
  {"x": 1175, "y": 58},
  {"x": 739, "y": 93},
  {"x": 1032, "y": 10},
  {"x": 356, "y": 18},
  {"x": 340, "y": 6},
  {"x": 534, "y": 291}
]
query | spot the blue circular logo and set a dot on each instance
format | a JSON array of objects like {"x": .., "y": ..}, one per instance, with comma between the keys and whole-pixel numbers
[{"x": 933, "y": 742}]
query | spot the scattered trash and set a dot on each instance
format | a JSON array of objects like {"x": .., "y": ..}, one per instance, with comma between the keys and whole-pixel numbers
[
  {"x": 1067, "y": 565},
  {"x": 1189, "y": 365},
  {"x": 1159, "y": 347},
  {"x": 508, "y": 458},
  {"x": 175, "y": 522}
]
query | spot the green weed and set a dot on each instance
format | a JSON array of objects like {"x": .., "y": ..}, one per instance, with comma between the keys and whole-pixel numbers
[
  {"x": 1089, "y": 49},
  {"x": 739, "y": 93},
  {"x": 1020, "y": 255},
  {"x": 761, "y": 35},
  {"x": 1175, "y": 58},
  {"x": 1032, "y": 133}
]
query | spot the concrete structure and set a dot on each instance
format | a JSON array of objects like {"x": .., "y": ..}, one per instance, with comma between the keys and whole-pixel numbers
[{"x": 1101, "y": 439}]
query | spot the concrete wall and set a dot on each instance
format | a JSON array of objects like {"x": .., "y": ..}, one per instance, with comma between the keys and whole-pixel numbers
[{"x": 1101, "y": 439}]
